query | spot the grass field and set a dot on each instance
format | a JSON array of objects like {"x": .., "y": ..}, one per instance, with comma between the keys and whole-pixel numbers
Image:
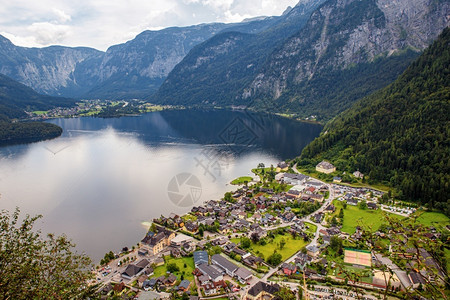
[
  {"x": 435, "y": 219},
  {"x": 242, "y": 180},
  {"x": 312, "y": 228},
  {"x": 189, "y": 261},
  {"x": 354, "y": 216},
  {"x": 39, "y": 112},
  {"x": 291, "y": 247}
]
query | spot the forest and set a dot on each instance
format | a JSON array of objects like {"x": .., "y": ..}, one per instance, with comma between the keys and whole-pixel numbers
[{"x": 399, "y": 135}]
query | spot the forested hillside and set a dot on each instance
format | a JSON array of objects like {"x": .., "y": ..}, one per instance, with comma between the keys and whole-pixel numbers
[
  {"x": 15, "y": 99},
  {"x": 400, "y": 134}
]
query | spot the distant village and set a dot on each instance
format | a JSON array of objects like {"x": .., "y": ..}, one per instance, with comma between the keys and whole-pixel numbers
[{"x": 281, "y": 231}]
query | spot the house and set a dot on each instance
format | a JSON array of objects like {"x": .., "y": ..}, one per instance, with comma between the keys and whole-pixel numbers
[
  {"x": 282, "y": 165},
  {"x": 184, "y": 285},
  {"x": 209, "y": 288},
  {"x": 262, "y": 290},
  {"x": 211, "y": 273},
  {"x": 337, "y": 179},
  {"x": 316, "y": 197},
  {"x": 141, "y": 280},
  {"x": 318, "y": 217},
  {"x": 243, "y": 275},
  {"x": 416, "y": 279},
  {"x": 288, "y": 269},
  {"x": 293, "y": 194},
  {"x": 330, "y": 208},
  {"x": 352, "y": 201},
  {"x": 313, "y": 251},
  {"x": 224, "y": 264},
  {"x": 358, "y": 174},
  {"x": 325, "y": 167},
  {"x": 170, "y": 280},
  {"x": 133, "y": 270},
  {"x": 302, "y": 260},
  {"x": 200, "y": 257},
  {"x": 156, "y": 242},
  {"x": 191, "y": 227},
  {"x": 372, "y": 205},
  {"x": 119, "y": 287},
  {"x": 294, "y": 179}
]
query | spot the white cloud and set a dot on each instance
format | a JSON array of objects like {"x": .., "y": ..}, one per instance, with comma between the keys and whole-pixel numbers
[
  {"x": 102, "y": 23},
  {"x": 61, "y": 15}
]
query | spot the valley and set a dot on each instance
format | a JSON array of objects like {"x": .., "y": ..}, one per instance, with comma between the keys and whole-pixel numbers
[{"x": 297, "y": 156}]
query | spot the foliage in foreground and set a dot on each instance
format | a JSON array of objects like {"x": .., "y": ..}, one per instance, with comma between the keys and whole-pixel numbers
[{"x": 33, "y": 267}]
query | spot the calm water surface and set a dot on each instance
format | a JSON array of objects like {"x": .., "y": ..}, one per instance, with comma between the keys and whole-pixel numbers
[{"x": 103, "y": 180}]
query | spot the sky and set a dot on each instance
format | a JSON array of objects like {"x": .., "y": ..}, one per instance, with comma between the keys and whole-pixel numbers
[{"x": 102, "y": 23}]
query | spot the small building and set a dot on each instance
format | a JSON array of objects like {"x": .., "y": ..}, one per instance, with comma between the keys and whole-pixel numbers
[
  {"x": 313, "y": 251},
  {"x": 262, "y": 290},
  {"x": 224, "y": 264},
  {"x": 325, "y": 167},
  {"x": 184, "y": 285},
  {"x": 353, "y": 202},
  {"x": 288, "y": 269},
  {"x": 282, "y": 165},
  {"x": 358, "y": 174},
  {"x": 337, "y": 179},
  {"x": 372, "y": 205},
  {"x": 243, "y": 275},
  {"x": 200, "y": 257}
]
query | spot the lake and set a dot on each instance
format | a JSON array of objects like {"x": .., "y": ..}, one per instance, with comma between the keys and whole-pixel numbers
[{"x": 104, "y": 180}]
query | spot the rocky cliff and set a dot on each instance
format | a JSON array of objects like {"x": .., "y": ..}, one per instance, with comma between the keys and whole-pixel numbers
[{"x": 340, "y": 36}]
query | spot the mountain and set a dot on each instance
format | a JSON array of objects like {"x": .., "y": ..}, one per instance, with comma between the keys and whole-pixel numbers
[
  {"x": 130, "y": 70},
  {"x": 348, "y": 49},
  {"x": 47, "y": 70},
  {"x": 137, "y": 68},
  {"x": 400, "y": 134},
  {"x": 216, "y": 71},
  {"x": 15, "y": 98}
]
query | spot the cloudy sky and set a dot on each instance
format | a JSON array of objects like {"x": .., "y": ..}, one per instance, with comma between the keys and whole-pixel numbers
[{"x": 102, "y": 23}]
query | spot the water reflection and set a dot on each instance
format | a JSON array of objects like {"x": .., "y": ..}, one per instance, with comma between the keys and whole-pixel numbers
[{"x": 104, "y": 177}]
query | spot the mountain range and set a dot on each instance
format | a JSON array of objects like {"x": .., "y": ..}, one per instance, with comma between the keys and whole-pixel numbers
[
  {"x": 134, "y": 69},
  {"x": 316, "y": 59},
  {"x": 346, "y": 50}
]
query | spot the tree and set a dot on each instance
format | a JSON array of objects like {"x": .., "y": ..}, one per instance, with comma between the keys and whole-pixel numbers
[
  {"x": 286, "y": 294},
  {"x": 274, "y": 259},
  {"x": 282, "y": 244},
  {"x": 335, "y": 243},
  {"x": 34, "y": 267},
  {"x": 172, "y": 268},
  {"x": 334, "y": 221},
  {"x": 245, "y": 242},
  {"x": 363, "y": 205},
  {"x": 254, "y": 237},
  {"x": 341, "y": 214}
]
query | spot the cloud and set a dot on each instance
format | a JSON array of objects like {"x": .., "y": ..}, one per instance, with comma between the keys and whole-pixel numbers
[
  {"x": 61, "y": 15},
  {"x": 102, "y": 23},
  {"x": 46, "y": 33}
]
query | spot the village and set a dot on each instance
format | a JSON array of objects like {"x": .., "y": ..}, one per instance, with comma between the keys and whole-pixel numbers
[{"x": 279, "y": 232}]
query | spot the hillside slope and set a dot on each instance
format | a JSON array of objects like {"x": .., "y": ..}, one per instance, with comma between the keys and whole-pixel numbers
[
  {"x": 400, "y": 135},
  {"x": 15, "y": 99}
]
